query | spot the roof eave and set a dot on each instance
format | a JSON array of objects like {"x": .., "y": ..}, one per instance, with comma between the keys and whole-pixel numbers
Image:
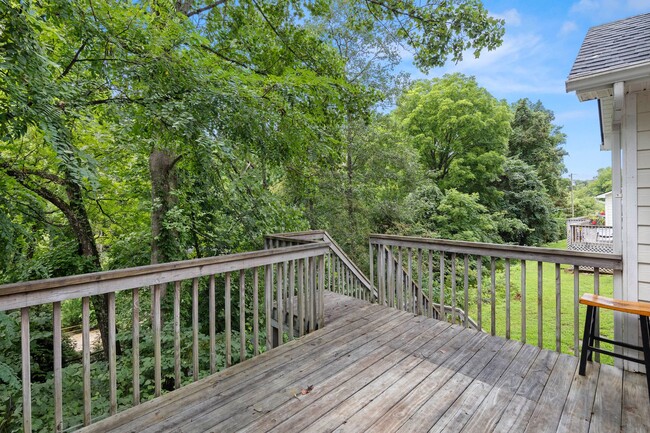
[{"x": 606, "y": 79}]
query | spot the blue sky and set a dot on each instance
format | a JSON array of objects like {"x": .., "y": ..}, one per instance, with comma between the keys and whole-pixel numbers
[{"x": 542, "y": 40}]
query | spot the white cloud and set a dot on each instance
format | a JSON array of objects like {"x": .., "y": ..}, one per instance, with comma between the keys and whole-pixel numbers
[
  {"x": 603, "y": 8},
  {"x": 520, "y": 66},
  {"x": 511, "y": 17},
  {"x": 563, "y": 117},
  {"x": 568, "y": 27}
]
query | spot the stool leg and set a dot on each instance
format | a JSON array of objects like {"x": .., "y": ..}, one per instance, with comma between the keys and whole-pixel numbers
[
  {"x": 646, "y": 349},
  {"x": 586, "y": 338},
  {"x": 592, "y": 334}
]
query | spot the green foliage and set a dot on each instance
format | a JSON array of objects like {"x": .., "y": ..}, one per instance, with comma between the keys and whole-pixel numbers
[
  {"x": 529, "y": 213},
  {"x": 460, "y": 130},
  {"x": 536, "y": 141}
]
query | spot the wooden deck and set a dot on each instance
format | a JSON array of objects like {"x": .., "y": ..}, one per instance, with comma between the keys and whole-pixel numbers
[{"x": 377, "y": 369}]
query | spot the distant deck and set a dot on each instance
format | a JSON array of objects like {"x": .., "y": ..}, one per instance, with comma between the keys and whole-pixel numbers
[{"x": 379, "y": 369}]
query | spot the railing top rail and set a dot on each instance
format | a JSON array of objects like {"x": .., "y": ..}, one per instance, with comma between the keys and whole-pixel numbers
[
  {"x": 552, "y": 255},
  {"x": 324, "y": 236},
  {"x": 594, "y": 226},
  {"x": 292, "y": 239},
  {"x": 29, "y": 293}
]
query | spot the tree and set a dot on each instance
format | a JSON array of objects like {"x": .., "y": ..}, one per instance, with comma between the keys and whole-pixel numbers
[
  {"x": 450, "y": 215},
  {"x": 460, "y": 130},
  {"x": 529, "y": 212},
  {"x": 536, "y": 141}
]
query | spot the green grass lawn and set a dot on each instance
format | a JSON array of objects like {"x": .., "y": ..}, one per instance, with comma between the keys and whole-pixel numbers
[{"x": 586, "y": 284}]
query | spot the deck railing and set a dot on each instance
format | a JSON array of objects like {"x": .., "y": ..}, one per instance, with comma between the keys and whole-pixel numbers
[
  {"x": 407, "y": 283},
  {"x": 343, "y": 275},
  {"x": 467, "y": 275},
  {"x": 295, "y": 273}
]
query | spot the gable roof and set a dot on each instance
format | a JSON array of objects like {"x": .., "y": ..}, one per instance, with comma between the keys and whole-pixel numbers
[{"x": 616, "y": 51}]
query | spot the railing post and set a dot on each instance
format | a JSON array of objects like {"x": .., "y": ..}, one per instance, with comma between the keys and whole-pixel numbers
[
  {"x": 58, "y": 379},
  {"x": 268, "y": 301},
  {"x": 321, "y": 292},
  {"x": 26, "y": 368}
]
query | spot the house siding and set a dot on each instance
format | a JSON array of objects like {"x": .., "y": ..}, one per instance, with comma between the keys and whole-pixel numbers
[{"x": 643, "y": 196}]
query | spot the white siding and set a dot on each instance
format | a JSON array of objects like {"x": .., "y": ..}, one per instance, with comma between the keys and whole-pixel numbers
[{"x": 643, "y": 196}]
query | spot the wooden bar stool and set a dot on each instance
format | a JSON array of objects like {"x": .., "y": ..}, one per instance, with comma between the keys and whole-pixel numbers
[{"x": 642, "y": 309}]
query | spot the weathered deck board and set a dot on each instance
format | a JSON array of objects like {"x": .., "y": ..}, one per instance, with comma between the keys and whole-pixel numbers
[
  {"x": 375, "y": 369},
  {"x": 608, "y": 401}
]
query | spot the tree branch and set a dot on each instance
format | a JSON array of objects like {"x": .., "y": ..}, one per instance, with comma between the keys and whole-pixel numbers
[
  {"x": 233, "y": 61},
  {"x": 205, "y": 8},
  {"x": 23, "y": 173},
  {"x": 73, "y": 61}
]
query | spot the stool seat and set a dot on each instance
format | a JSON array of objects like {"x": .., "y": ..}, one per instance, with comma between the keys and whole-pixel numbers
[
  {"x": 593, "y": 303},
  {"x": 631, "y": 307}
]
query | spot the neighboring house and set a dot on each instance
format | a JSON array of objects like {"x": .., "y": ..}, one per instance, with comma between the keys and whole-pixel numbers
[
  {"x": 607, "y": 198},
  {"x": 613, "y": 67}
]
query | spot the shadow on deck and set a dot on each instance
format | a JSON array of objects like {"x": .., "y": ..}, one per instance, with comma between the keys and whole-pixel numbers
[{"x": 379, "y": 369}]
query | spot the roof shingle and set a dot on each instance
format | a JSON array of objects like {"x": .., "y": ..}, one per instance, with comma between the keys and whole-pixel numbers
[{"x": 612, "y": 46}]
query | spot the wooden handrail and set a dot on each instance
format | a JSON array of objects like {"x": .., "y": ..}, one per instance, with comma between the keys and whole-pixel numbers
[
  {"x": 30, "y": 293},
  {"x": 324, "y": 236},
  {"x": 548, "y": 255}
]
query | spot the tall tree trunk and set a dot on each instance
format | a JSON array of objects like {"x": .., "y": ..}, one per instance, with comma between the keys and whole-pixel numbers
[
  {"x": 164, "y": 242},
  {"x": 74, "y": 210},
  {"x": 88, "y": 249}
]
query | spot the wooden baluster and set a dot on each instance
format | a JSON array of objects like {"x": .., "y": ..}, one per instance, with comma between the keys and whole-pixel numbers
[
  {"x": 268, "y": 304},
  {"x": 292, "y": 289},
  {"x": 256, "y": 312},
  {"x": 453, "y": 288},
  {"x": 391, "y": 278},
  {"x": 372, "y": 268},
  {"x": 85, "y": 338},
  {"x": 112, "y": 356},
  {"x": 540, "y": 304},
  {"x": 558, "y": 309},
  {"x": 420, "y": 288},
  {"x": 321, "y": 291},
  {"x": 493, "y": 295},
  {"x": 58, "y": 377},
  {"x": 195, "y": 328},
  {"x": 430, "y": 284},
  {"x": 339, "y": 288},
  {"x": 228, "y": 314},
  {"x": 212, "y": 318},
  {"x": 479, "y": 293},
  {"x": 177, "y": 334},
  {"x": 597, "y": 324},
  {"x": 409, "y": 282},
  {"x": 308, "y": 294},
  {"x": 301, "y": 297},
  {"x": 280, "y": 301},
  {"x": 285, "y": 288},
  {"x": 242, "y": 315},
  {"x": 507, "y": 299},
  {"x": 26, "y": 368},
  {"x": 399, "y": 271},
  {"x": 381, "y": 274},
  {"x": 576, "y": 309},
  {"x": 330, "y": 271},
  {"x": 156, "y": 322},
  {"x": 523, "y": 301},
  {"x": 466, "y": 289},
  {"x": 443, "y": 316},
  {"x": 135, "y": 345},
  {"x": 312, "y": 292}
]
